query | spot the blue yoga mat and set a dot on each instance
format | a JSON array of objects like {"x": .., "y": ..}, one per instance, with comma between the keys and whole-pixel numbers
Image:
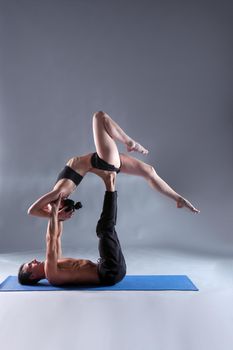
[{"x": 130, "y": 282}]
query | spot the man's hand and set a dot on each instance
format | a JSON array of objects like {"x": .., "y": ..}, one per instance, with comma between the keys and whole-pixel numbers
[
  {"x": 59, "y": 211},
  {"x": 65, "y": 215}
]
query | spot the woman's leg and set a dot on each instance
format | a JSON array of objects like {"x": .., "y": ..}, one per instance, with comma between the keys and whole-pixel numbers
[
  {"x": 106, "y": 132},
  {"x": 133, "y": 166}
]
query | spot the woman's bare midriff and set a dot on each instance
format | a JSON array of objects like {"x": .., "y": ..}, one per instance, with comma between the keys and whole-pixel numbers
[{"x": 80, "y": 164}]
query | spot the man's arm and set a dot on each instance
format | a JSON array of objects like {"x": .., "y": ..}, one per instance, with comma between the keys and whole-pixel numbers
[
  {"x": 53, "y": 235},
  {"x": 63, "y": 215},
  {"x": 59, "y": 249}
]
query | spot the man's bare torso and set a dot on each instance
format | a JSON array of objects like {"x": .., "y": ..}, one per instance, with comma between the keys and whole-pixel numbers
[
  {"x": 78, "y": 271},
  {"x": 75, "y": 264}
]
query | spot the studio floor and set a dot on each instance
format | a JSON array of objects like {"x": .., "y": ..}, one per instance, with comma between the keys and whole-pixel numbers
[{"x": 85, "y": 320}]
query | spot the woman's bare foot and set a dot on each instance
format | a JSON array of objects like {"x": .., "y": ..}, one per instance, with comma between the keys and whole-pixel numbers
[
  {"x": 133, "y": 146},
  {"x": 182, "y": 202}
]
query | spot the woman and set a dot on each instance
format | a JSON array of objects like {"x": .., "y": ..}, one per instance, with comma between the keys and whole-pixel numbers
[{"x": 107, "y": 157}]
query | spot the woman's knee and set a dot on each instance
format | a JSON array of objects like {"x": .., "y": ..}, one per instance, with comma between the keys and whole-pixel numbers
[{"x": 100, "y": 115}]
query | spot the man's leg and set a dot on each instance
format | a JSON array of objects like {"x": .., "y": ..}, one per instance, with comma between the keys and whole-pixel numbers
[{"x": 112, "y": 267}]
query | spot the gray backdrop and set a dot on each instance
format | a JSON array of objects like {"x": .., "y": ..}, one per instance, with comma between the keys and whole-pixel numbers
[{"x": 162, "y": 70}]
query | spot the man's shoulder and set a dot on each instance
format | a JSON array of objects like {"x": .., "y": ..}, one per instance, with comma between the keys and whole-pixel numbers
[{"x": 50, "y": 268}]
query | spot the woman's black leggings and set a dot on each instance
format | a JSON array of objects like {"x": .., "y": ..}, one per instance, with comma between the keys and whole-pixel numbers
[{"x": 111, "y": 266}]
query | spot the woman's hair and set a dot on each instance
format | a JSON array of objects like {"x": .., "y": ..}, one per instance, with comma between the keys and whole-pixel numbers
[{"x": 24, "y": 277}]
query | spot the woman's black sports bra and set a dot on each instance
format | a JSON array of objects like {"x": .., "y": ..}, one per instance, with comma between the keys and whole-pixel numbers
[{"x": 69, "y": 173}]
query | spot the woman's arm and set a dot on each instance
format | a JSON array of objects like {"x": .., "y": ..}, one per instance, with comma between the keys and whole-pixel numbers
[{"x": 41, "y": 206}]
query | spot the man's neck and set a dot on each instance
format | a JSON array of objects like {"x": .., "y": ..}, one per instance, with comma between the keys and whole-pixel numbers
[{"x": 42, "y": 270}]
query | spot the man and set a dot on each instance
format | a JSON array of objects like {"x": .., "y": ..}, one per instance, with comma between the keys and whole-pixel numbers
[{"x": 110, "y": 268}]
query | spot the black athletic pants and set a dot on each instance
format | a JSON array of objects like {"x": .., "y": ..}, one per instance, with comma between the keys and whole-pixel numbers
[{"x": 111, "y": 266}]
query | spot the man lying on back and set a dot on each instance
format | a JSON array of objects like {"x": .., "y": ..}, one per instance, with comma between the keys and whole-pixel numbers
[{"x": 111, "y": 267}]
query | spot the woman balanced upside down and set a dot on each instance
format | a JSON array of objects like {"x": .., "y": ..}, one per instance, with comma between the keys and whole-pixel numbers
[{"x": 105, "y": 131}]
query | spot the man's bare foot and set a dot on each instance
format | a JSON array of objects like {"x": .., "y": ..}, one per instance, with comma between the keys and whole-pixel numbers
[
  {"x": 133, "y": 146},
  {"x": 109, "y": 178},
  {"x": 109, "y": 181},
  {"x": 182, "y": 202}
]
